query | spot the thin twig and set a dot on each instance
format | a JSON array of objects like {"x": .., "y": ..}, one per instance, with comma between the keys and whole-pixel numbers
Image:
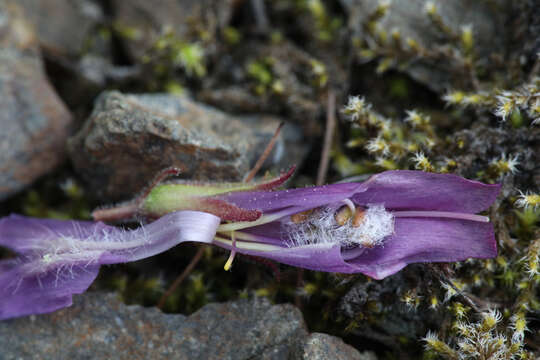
[
  {"x": 183, "y": 275},
  {"x": 328, "y": 136},
  {"x": 264, "y": 155}
]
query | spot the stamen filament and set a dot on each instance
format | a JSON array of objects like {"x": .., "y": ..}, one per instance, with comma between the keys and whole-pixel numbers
[
  {"x": 248, "y": 245},
  {"x": 349, "y": 204},
  {"x": 246, "y": 236},
  {"x": 441, "y": 214}
]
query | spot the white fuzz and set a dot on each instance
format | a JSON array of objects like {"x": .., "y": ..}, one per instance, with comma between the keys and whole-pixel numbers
[
  {"x": 356, "y": 107},
  {"x": 527, "y": 199},
  {"x": 78, "y": 246},
  {"x": 321, "y": 228},
  {"x": 378, "y": 146}
]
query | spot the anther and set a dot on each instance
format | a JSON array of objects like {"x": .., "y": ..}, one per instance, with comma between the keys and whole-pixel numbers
[
  {"x": 343, "y": 215},
  {"x": 301, "y": 216},
  {"x": 358, "y": 218}
]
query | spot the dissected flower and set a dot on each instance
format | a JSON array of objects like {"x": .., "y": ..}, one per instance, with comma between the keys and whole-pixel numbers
[
  {"x": 376, "y": 228},
  {"x": 57, "y": 259}
]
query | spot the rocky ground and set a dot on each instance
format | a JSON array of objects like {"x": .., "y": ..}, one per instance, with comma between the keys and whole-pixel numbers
[
  {"x": 97, "y": 96},
  {"x": 99, "y": 325}
]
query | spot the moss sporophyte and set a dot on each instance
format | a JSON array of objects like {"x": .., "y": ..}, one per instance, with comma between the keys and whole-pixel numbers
[{"x": 376, "y": 228}]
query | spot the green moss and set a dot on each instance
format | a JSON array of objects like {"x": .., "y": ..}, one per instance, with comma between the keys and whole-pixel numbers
[
  {"x": 231, "y": 35},
  {"x": 127, "y": 32}
]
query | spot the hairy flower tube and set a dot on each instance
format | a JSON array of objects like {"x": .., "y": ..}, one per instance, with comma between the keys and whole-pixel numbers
[{"x": 57, "y": 259}]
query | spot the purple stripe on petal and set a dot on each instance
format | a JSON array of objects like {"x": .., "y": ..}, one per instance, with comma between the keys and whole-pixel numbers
[
  {"x": 161, "y": 235},
  {"x": 42, "y": 293},
  {"x": 406, "y": 189}
]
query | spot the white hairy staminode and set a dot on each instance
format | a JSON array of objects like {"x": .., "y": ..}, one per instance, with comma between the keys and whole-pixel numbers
[{"x": 320, "y": 227}]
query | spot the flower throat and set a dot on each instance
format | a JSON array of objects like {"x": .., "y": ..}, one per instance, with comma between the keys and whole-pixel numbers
[{"x": 348, "y": 226}]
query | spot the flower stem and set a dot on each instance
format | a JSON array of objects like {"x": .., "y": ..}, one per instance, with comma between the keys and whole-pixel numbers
[{"x": 125, "y": 211}]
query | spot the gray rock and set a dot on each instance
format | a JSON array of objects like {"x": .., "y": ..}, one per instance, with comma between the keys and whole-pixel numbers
[
  {"x": 141, "y": 21},
  {"x": 322, "y": 346},
  {"x": 34, "y": 122},
  {"x": 487, "y": 19},
  {"x": 99, "y": 326},
  {"x": 63, "y": 26},
  {"x": 129, "y": 138}
]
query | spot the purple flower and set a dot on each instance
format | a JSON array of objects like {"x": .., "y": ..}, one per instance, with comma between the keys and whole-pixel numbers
[
  {"x": 375, "y": 228},
  {"x": 60, "y": 258}
]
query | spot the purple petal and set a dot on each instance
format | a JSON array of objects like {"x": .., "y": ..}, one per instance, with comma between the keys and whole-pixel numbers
[
  {"x": 406, "y": 189},
  {"x": 30, "y": 235},
  {"x": 25, "y": 295},
  {"x": 399, "y": 189},
  {"x": 303, "y": 198},
  {"x": 61, "y": 258},
  {"x": 427, "y": 240}
]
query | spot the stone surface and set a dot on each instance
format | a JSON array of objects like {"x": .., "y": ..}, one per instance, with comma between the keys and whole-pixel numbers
[
  {"x": 129, "y": 138},
  {"x": 100, "y": 326},
  {"x": 34, "y": 122},
  {"x": 141, "y": 22},
  {"x": 410, "y": 18},
  {"x": 319, "y": 346},
  {"x": 63, "y": 27}
]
